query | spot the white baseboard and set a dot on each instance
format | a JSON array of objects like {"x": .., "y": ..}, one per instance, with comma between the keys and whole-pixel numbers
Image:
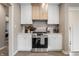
[
  {"x": 15, "y": 52},
  {"x": 55, "y": 50},
  {"x": 65, "y": 52},
  {"x": 24, "y": 50},
  {"x": 3, "y": 47},
  {"x": 74, "y": 54}
]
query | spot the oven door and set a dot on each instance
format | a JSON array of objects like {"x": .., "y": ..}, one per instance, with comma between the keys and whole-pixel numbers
[{"x": 36, "y": 43}]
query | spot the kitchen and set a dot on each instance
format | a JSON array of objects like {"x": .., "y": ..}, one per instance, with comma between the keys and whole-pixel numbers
[{"x": 39, "y": 28}]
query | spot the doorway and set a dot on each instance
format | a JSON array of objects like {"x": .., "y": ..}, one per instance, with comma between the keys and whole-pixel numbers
[
  {"x": 6, "y": 41},
  {"x": 4, "y": 28}
]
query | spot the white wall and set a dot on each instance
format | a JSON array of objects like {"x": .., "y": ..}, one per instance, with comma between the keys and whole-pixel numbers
[
  {"x": 15, "y": 27},
  {"x": 63, "y": 15},
  {"x": 2, "y": 25},
  {"x": 16, "y": 23}
]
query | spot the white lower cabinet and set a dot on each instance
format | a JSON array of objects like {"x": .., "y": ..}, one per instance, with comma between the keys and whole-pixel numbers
[
  {"x": 24, "y": 42},
  {"x": 54, "y": 42},
  {"x": 21, "y": 44},
  {"x": 29, "y": 43}
]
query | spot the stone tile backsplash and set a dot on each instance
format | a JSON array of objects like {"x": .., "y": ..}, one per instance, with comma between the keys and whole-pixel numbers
[{"x": 40, "y": 25}]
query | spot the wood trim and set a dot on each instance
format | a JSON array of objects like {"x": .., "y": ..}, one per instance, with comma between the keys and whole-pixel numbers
[{"x": 39, "y": 13}]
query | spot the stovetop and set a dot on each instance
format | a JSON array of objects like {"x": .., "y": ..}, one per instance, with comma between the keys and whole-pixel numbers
[{"x": 39, "y": 35}]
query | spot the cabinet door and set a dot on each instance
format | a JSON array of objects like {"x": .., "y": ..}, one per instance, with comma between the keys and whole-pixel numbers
[
  {"x": 26, "y": 13},
  {"x": 35, "y": 12},
  {"x": 21, "y": 44},
  {"x": 39, "y": 13},
  {"x": 43, "y": 13},
  {"x": 59, "y": 44},
  {"x": 54, "y": 44},
  {"x": 53, "y": 14},
  {"x": 28, "y": 42}
]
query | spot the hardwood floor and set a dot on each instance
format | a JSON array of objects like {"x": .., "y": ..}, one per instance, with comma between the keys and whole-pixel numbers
[
  {"x": 24, "y": 53},
  {"x": 4, "y": 52}
]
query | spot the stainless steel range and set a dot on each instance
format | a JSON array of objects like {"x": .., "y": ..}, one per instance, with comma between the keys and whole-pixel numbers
[{"x": 39, "y": 42}]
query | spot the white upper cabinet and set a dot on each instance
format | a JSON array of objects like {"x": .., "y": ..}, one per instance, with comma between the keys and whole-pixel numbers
[
  {"x": 53, "y": 14},
  {"x": 26, "y": 13}
]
